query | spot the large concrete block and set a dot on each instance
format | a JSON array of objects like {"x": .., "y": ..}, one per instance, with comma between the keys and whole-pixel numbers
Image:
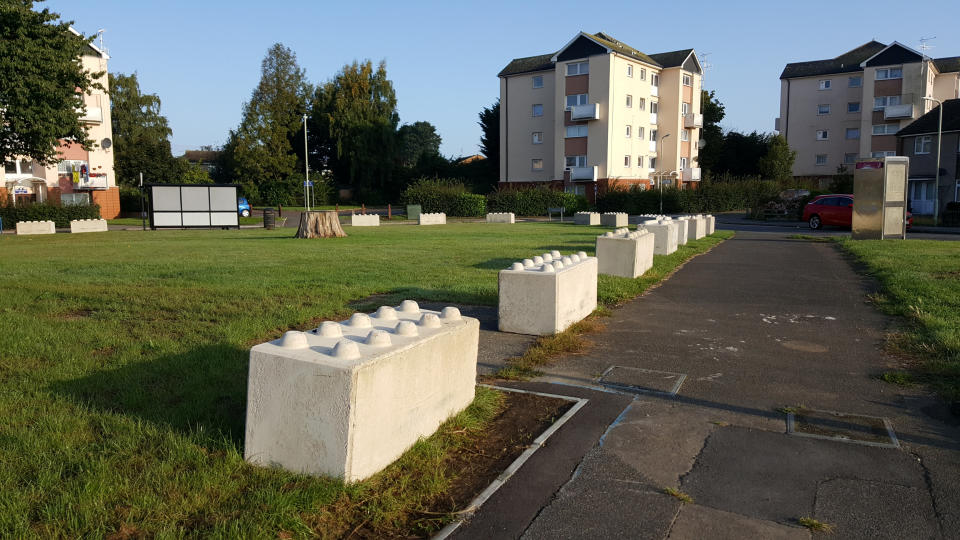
[
  {"x": 614, "y": 219},
  {"x": 365, "y": 220},
  {"x": 711, "y": 224},
  {"x": 36, "y": 227},
  {"x": 586, "y": 218},
  {"x": 701, "y": 226},
  {"x": 346, "y": 399},
  {"x": 665, "y": 236},
  {"x": 625, "y": 253},
  {"x": 88, "y": 225},
  {"x": 501, "y": 217},
  {"x": 547, "y": 294},
  {"x": 438, "y": 218},
  {"x": 682, "y": 230}
]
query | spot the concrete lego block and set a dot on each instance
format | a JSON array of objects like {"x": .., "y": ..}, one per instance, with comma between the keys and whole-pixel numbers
[
  {"x": 701, "y": 226},
  {"x": 501, "y": 217},
  {"x": 625, "y": 253},
  {"x": 711, "y": 224},
  {"x": 88, "y": 225},
  {"x": 348, "y": 398},
  {"x": 438, "y": 218},
  {"x": 365, "y": 220},
  {"x": 586, "y": 218},
  {"x": 546, "y": 294},
  {"x": 682, "y": 230},
  {"x": 613, "y": 219},
  {"x": 36, "y": 227},
  {"x": 665, "y": 236}
]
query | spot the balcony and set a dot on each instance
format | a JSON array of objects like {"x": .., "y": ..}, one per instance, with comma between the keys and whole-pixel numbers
[
  {"x": 653, "y": 118},
  {"x": 583, "y": 174},
  {"x": 654, "y": 90},
  {"x": 93, "y": 182},
  {"x": 653, "y": 146},
  {"x": 904, "y": 110},
  {"x": 93, "y": 115},
  {"x": 589, "y": 111},
  {"x": 693, "y": 120},
  {"x": 691, "y": 174}
]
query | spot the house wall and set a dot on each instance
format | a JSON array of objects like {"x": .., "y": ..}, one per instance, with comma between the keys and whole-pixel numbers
[
  {"x": 924, "y": 165},
  {"x": 517, "y": 125}
]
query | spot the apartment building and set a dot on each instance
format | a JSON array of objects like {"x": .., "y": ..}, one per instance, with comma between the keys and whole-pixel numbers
[
  {"x": 598, "y": 114},
  {"x": 918, "y": 141},
  {"x": 835, "y": 111},
  {"x": 82, "y": 176}
]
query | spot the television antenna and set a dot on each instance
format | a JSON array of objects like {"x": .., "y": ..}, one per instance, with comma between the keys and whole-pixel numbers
[
  {"x": 704, "y": 65},
  {"x": 924, "y": 47}
]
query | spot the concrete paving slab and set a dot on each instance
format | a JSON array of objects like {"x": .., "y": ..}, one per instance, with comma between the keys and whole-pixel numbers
[
  {"x": 866, "y": 509},
  {"x": 694, "y": 522}
]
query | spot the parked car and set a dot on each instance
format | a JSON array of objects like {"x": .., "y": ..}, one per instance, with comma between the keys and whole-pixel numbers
[
  {"x": 243, "y": 207},
  {"x": 834, "y": 210}
]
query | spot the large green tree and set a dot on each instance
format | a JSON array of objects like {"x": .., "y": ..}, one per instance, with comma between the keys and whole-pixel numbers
[
  {"x": 42, "y": 82},
  {"x": 777, "y": 164},
  {"x": 490, "y": 141},
  {"x": 711, "y": 134},
  {"x": 140, "y": 135},
  {"x": 418, "y": 141}
]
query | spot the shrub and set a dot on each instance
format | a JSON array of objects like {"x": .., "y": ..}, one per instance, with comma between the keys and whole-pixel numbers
[
  {"x": 434, "y": 194},
  {"x": 708, "y": 197},
  {"x": 61, "y": 215},
  {"x": 468, "y": 205},
  {"x": 534, "y": 201},
  {"x": 130, "y": 200}
]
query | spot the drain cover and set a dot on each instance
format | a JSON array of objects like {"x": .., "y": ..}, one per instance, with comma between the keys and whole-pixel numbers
[
  {"x": 836, "y": 426},
  {"x": 643, "y": 380}
]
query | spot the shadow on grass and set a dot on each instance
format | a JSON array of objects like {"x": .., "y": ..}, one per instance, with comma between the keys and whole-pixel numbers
[
  {"x": 205, "y": 388},
  {"x": 500, "y": 263}
]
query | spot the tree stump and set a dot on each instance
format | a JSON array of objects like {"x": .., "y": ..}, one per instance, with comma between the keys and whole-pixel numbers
[{"x": 320, "y": 225}]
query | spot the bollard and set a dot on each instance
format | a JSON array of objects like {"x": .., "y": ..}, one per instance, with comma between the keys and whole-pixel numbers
[
  {"x": 389, "y": 212},
  {"x": 363, "y": 208},
  {"x": 338, "y": 208},
  {"x": 269, "y": 219}
]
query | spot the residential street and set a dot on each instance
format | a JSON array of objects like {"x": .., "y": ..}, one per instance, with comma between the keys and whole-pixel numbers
[{"x": 759, "y": 324}]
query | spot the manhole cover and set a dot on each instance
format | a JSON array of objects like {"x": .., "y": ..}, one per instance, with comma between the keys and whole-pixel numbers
[
  {"x": 643, "y": 380},
  {"x": 836, "y": 426}
]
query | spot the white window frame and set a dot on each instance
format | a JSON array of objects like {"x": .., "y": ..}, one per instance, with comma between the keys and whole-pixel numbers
[
  {"x": 575, "y": 161},
  {"x": 684, "y": 108},
  {"x": 576, "y": 131},
  {"x": 643, "y": 74},
  {"x": 579, "y": 99},
  {"x": 642, "y": 104},
  {"x": 630, "y": 70},
  {"x": 640, "y": 134},
  {"x": 881, "y": 102},
  {"x": 821, "y": 162},
  {"x": 653, "y": 135},
  {"x": 857, "y": 106},
  {"x": 883, "y": 153},
  {"x": 576, "y": 189},
  {"x": 852, "y": 130},
  {"x": 536, "y": 79},
  {"x": 885, "y": 129},
  {"x": 578, "y": 68},
  {"x": 537, "y": 137},
  {"x": 639, "y": 162},
  {"x": 654, "y": 107},
  {"x": 655, "y": 79},
  {"x": 537, "y": 112},
  {"x": 687, "y": 80},
  {"x": 628, "y": 131},
  {"x": 921, "y": 142},
  {"x": 629, "y": 101},
  {"x": 626, "y": 161},
  {"x": 653, "y": 162},
  {"x": 886, "y": 74},
  {"x": 24, "y": 168},
  {"x": 824, "y": 84},
  {"x": 858, "y": 84},
  {"x": 823, "y": 109},
  {"x": 823, "y": 134},
  {"x": 534, "y": 162},
  {"x": 685, "y": 135}
]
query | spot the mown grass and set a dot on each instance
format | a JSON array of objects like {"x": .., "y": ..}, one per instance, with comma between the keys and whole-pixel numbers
[
  {"x": 920, "y": 282},
  {"x": 136, "y": 222}
]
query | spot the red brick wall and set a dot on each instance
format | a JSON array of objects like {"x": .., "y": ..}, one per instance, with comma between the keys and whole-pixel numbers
[
  {"x": 53, "y": 196},
  {"x": 109, "y": 202}
]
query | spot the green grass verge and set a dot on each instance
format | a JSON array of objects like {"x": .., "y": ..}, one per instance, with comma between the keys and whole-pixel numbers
[
  {"x": 920, "y": 282},
  {"x": 136, "y": 222}
]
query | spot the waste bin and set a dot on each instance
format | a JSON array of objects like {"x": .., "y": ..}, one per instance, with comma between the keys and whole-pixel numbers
[
  {"x": 413, "y": 211},
  {"x": 269, "y": 218}
]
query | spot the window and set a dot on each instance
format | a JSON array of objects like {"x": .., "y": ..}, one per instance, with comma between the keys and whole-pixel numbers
[
  {"x": 629, "y": 100},
  {"x": 538, "y": 110},
  {"x": 653, "y": 135},
  {"x": 538, "y": 81},
  {"x": 855, "y": 82},
  {"x": 654, "y": 107},
  {"x": 629, "y": 70},
  {"x": 685, "y": 135},
  {"x": 821, "y": 159},
  {"x": 684, "y": 108},
  {"x": 628, "y": 132},
  {"x": 653, "y": 163},
  {"x": 823, "y": 109},
  {"x": 626, "y": 161},
  {"x": 536, "y": 164},
  {"x": 885, "y": 129},
  {"x": 576, "y": 131},
  {"x": 639, "y": 161},
  {"x": 887, "y": 153},
  {"x": 853, "y": 133},
  {"x": 923, "y": 144},
  {"x": 578, "y": 68},
  {"x": 642, "y": 104},
  {"x": 889, "y": 73},
  {"x": 576, "y": 99},
  {"x": 576, "y": 189},
  {"x": 640, "y": 132},
  {"x": 576, "y": 161},
  {"x": 24, "y": 167},
  {"x": 824, "y": 84},
  {"x": 537, "y": 137},
  {"x": 850, "y": 158},
  {"x": 687, "y": 80},
  {"x": 643, "y": 74},
  {"x": 853, "y": 107},
  {"x": 11, "y": 167},
  {"x": 823, "y": 134},
  {"x": 883, "y": 101},
  {"x": 654, "y": 80}
]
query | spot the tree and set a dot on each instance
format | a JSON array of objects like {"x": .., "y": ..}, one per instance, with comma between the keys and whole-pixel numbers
[
  {"x": 490, "y": 141},
  {"x": 43, "y": 82},
  {"x": 712, "y": 135},
  {"x": 417, "y": 140},
  {"x": 740, "y": 153},
  {"x": 777, "y": 164},
  {"x": 140, "y": 134}
]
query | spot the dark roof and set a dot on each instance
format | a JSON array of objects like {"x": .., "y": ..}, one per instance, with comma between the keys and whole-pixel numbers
[
  {"x": 928, "y": 122},
  {"x": 847, "y": 62},
  {"x": 611, "y": 43},
  {"x": 948, "y": 64},
  {"x": 201, "y": 155},
  {"x": 542, "y": 62},
  {"x": 672, "y": 58},
  {"x": 525, "y": 65}
]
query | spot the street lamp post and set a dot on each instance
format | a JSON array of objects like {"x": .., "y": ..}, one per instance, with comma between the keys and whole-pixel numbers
[
  {"x": 660, "y": 159},
  {"x": 936, "y": 174},
  {"x": 306, "y": 166}
]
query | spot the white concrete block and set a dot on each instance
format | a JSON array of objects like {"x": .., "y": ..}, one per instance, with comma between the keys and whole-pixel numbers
[
  {"x": 365, "y": 220},
  {"x": 438, "y": 218},
  {"x": 88, "y": 225},
  {"x": 347, "y": 399},
  {"x": 665, "y": 236},
  {"x": 701, "y": 226},
  {"x": 711, "y": 224},
  {"x": 36, "y": 227},
  {"x": 586, "y": 218},
  {"x": 683, "y": 230},
  {"x": 625, "y": 253},
  {"x": 614, "y": 219},
  {"x": 501, "y": 217},
  {"x": 546, "y": 294}
]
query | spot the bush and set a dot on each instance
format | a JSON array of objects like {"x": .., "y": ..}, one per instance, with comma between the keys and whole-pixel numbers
[
  {"x": 708, "y": 197},
  {"x": 434, "y": 194},
  {"x": 534, "y": 201},
  {"x": 468, "y": 205},
  {"x": 130, "y": 200},
  {"x": 61, "y": 215}
]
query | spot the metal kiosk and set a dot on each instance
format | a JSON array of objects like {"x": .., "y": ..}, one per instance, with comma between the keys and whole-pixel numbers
[{"x": 880, "y": 198}]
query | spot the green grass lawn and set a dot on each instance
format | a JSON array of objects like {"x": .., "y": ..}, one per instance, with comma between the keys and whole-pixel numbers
[
  {"x": 123, "y": 365},
  {"x": 920, "y": 281},
  {"x": 137, "y": 221}
]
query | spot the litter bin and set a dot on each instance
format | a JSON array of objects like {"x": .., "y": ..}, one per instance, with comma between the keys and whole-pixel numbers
[
  {"x": 269, "y": 218},
  {"x": 413, "y": 211}
]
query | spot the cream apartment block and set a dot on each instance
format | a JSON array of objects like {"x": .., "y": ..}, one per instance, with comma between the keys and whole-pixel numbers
[
  {"x": 598, "y": 114},
  {"x": 82, "y": 176},
  {"x": 834, "y": 111}
]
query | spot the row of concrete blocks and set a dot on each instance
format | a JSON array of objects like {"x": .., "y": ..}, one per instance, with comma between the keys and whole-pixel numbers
[
  {"x": 48, "y": 227},
  {"x": 438, "y": 218},
  {"x": 607, "y": 219}
]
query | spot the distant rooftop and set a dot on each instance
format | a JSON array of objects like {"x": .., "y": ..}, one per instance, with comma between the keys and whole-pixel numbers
[{"x": 850, "y": 61}]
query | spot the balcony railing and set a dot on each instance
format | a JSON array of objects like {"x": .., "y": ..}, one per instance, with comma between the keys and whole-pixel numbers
[
  {"x": 583, "y": 174},
  {"x": 653, "y": 146},
  {"x": 654, "y": 90},
  {"x": 93, "y": 182},
  {"x": 589, "y": 111},
  {"x": 693, "y": 120},
  {"x": 653, "y": 118},
  {"x": 691, "y": 174},
  {"x": 904, "y": 110},
  {"x": 92, "y": 115}
]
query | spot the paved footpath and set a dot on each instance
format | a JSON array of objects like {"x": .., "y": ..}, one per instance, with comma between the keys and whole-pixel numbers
[{"x": 761, "y": 322}]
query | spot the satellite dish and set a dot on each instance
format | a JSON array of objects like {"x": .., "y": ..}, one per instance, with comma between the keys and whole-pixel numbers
[
  {"x": 701, "y": 143},
  {"x": 107, "y": 143}
]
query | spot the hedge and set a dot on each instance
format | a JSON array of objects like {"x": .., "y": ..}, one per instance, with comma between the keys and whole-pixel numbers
[
  {"x": 534, "y": 201},
  {"x": 445, "y": 195},
  {"x": 708, "y": 197},
  {"x": 61, "y": 215}
]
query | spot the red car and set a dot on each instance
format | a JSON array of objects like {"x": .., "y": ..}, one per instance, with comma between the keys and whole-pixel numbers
[{"x": 833, "y": 210}]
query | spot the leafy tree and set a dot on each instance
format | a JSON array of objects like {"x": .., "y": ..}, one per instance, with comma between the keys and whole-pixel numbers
[
  {"x": 490, "y": 141},
  {"x": 712, "y": 135},
  {"x": 777, "y": 164},
  {"x": 417, "y": 140},
  {"x": 140, "y": 134},
  {"x": 741, "y": 153},
  {"x": 191, "y": 173},
  {"x": 43, "y": 82}
]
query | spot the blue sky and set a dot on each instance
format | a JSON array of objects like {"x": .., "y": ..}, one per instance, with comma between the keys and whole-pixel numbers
[{"x": 203, "y": 57}]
